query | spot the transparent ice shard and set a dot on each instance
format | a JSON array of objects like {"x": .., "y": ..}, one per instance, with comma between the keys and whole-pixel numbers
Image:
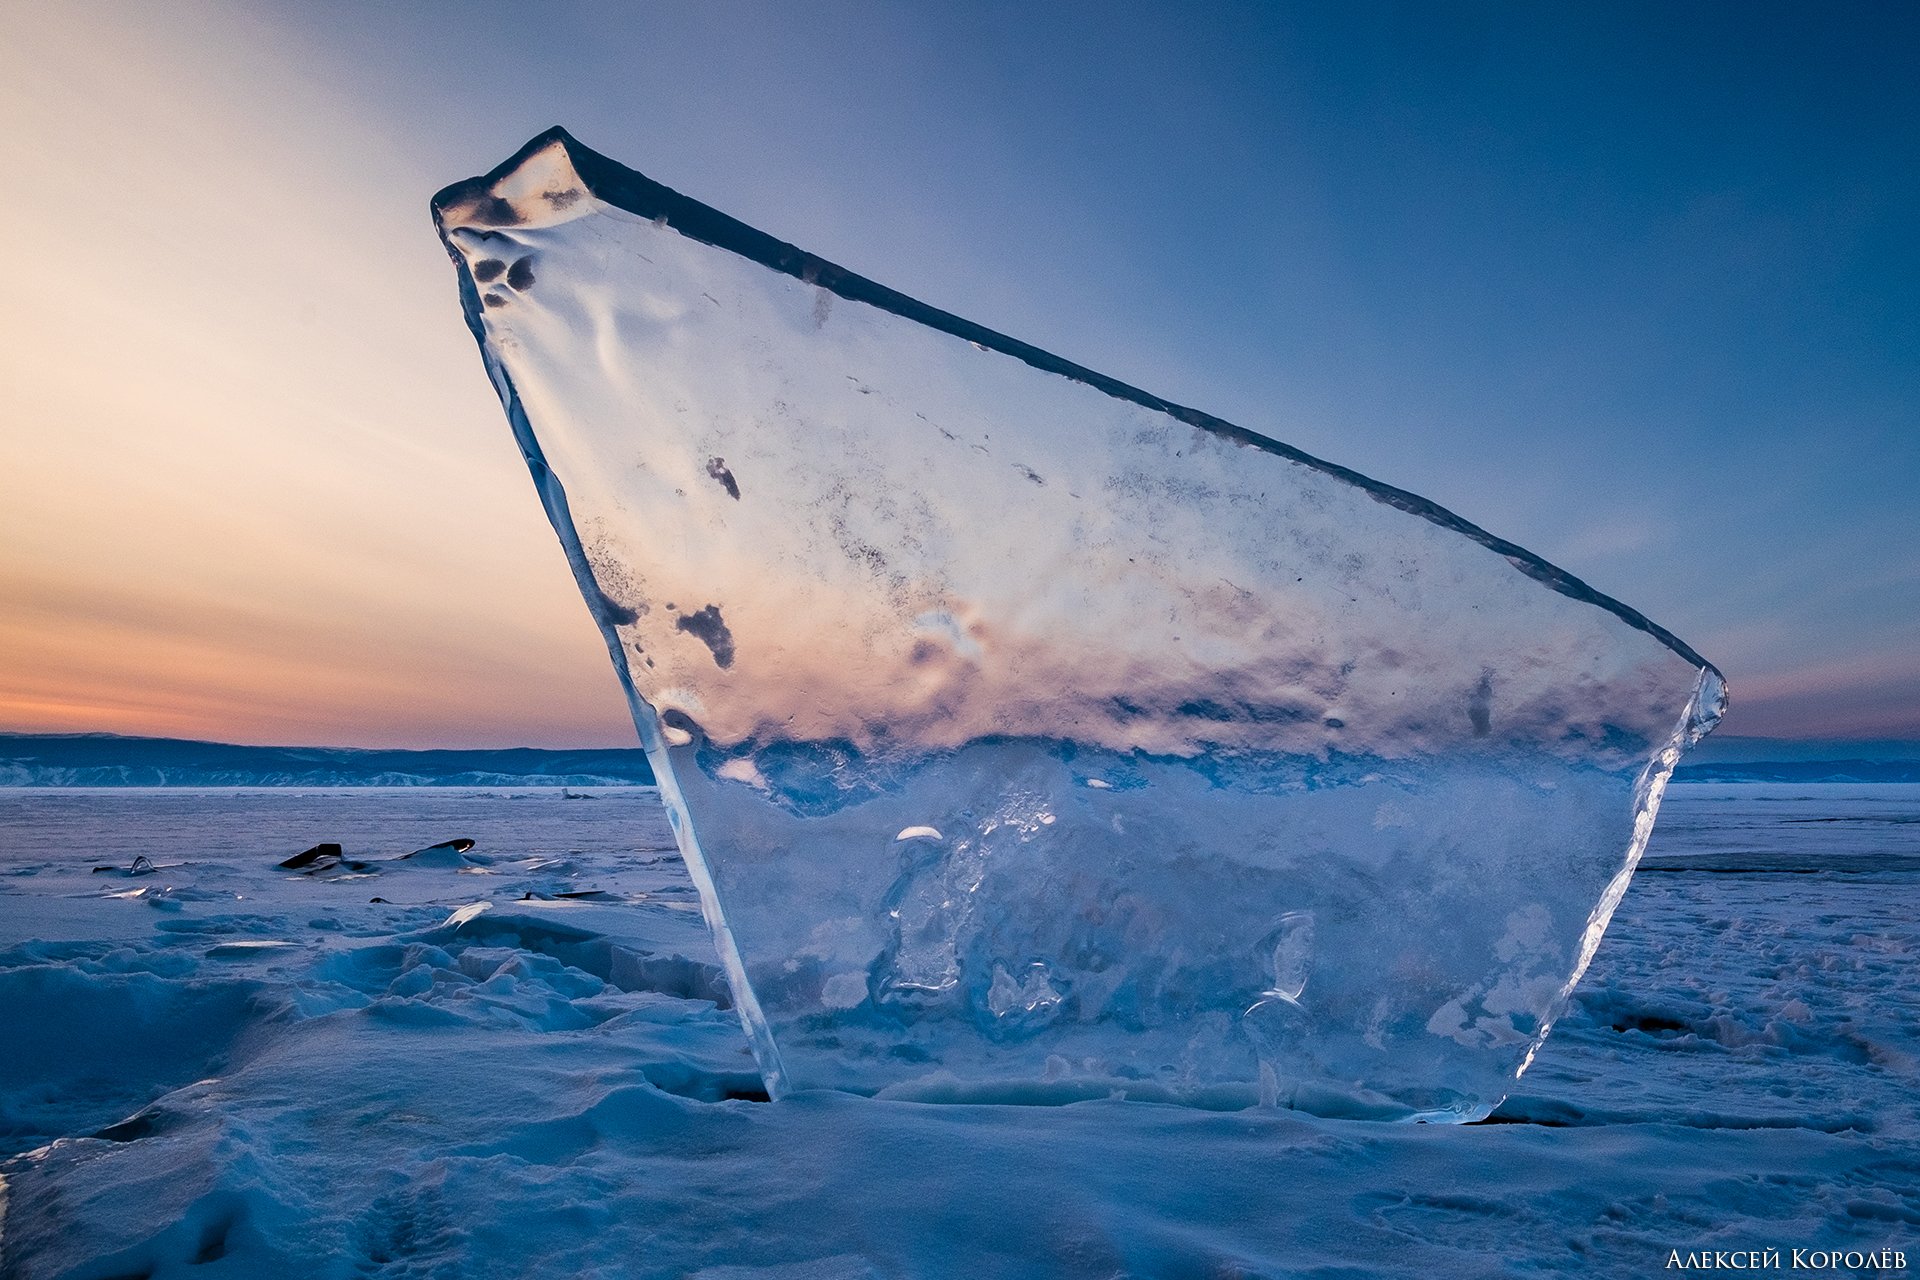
[{"x": 1028, "y": 735}]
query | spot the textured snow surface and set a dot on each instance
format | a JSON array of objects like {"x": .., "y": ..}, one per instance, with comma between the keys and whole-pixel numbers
[
  {"x": 1230, "y": 774},
  {"x": 223, "y": 1069}
]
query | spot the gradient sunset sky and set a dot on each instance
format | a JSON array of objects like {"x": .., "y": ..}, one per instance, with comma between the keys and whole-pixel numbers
[{"x": 1637, "y": 287}]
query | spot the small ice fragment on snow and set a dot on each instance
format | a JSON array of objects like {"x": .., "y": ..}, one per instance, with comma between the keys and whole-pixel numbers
[
  {"x": 162, "y": 898},
  {"x": 318, "y": 853},
  {"x": 448, "y": 853},
  {"x": 918, "y": 833},
  {"x": 459, "y": 844},
  {"x": 140, "y": 866},
  {"x": 471, "y": 911},
  {"x": 247, "y": 948}
]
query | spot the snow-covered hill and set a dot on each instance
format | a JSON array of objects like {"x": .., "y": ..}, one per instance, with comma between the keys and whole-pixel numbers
[{"x": 110, "y": 760}]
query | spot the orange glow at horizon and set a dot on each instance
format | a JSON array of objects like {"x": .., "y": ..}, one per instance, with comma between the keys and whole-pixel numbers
[{"x": 256, "y": 487}]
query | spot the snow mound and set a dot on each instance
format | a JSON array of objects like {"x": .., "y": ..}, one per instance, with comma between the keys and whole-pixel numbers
[{"x": 543, "y": 1091}]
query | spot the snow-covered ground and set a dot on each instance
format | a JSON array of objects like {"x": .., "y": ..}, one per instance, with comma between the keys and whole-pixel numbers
[{"x": 224, "y": 1069}]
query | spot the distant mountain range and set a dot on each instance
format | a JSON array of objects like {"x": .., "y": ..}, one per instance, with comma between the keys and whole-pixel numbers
[
  {"x": 110, "y": 760},
  {"x": 1719, "y": 759}
]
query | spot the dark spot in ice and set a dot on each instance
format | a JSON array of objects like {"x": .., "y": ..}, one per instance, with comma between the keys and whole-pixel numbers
[
  {"x": 923, "y": 652},
  {"x": 1480, "y": 706},
  {"x": 822, "y": 308},
  {"x": 674, "y": 718},
  {"x": 520, "y": 274},
  {"x": 561, "y": 199},
  {"x": 706, "y": 626},
  {"x": 612, "y": 612},
  {"x": 487, "y": 270},
  {"x": 495, "y": 299},
  {"x": 717, "y": 468},
  {"x": 1334, "y": 722},
  {"x": 495, "y": 212},
  {"x": 1257, "y": 713},
  {"x": 1029, "y": 473}
]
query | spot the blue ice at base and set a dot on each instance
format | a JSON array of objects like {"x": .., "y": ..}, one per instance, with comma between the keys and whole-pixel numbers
[{"x": 1029, "y": 736}]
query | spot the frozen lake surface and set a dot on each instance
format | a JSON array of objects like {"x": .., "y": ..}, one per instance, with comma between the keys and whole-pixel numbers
[{"x": 227, "y": 1069}]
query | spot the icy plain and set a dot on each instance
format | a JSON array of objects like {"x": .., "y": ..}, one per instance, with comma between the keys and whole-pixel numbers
[{"x": 225, "y": 1069}]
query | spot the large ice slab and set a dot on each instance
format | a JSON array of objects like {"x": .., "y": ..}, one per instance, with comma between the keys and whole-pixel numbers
[{"x": 1028, "y": 735}]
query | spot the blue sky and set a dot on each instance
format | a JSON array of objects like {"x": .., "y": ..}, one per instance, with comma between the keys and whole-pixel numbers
[{"x": 1633, "y": 286}]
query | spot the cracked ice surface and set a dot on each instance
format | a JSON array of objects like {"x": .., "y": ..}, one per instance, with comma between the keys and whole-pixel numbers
[{"x": 1028, "y": 736}]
